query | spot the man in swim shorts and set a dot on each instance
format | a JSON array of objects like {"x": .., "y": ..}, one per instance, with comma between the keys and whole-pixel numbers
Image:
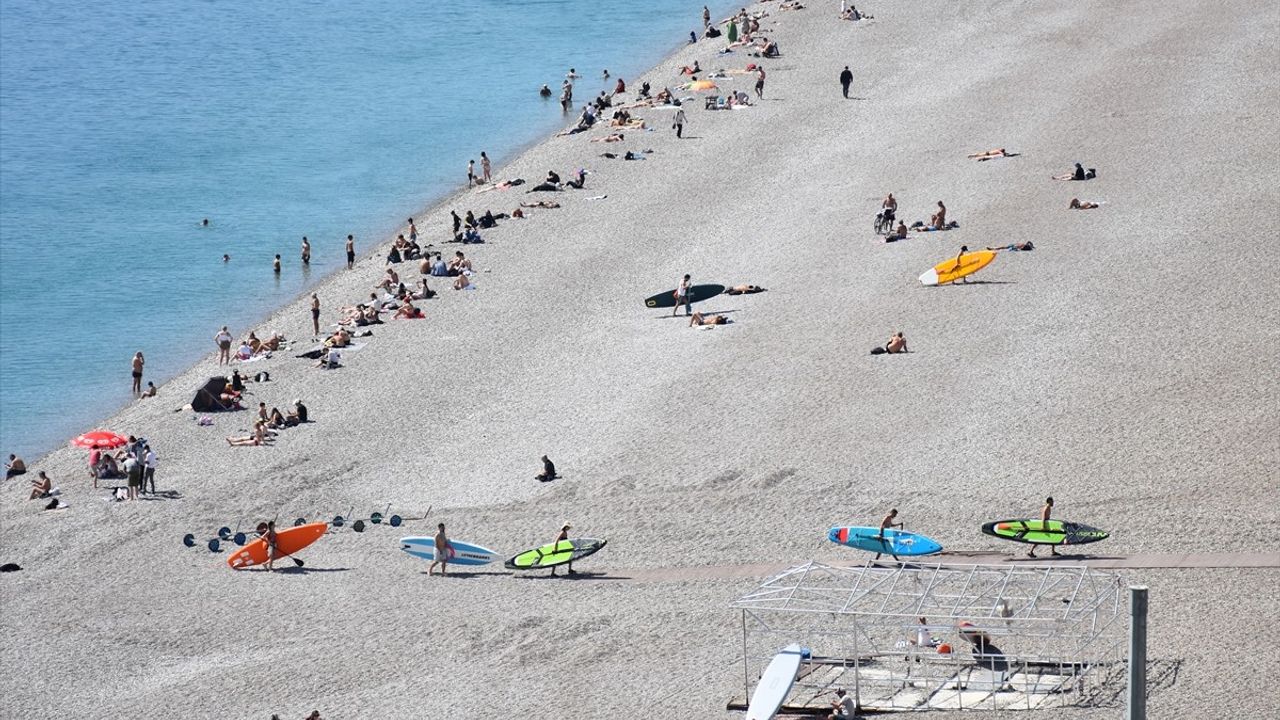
[
  {"x": 442, "y": 552},
  {"x": 885, "y": 523},
  {"x": 1045, "y": 513},
  {"x": 563, "y": 536},
  {"x": 271, "y": 539},
  {"x": 138, "y": 362}
]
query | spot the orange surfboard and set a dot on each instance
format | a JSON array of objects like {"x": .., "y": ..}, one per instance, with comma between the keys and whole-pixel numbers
[
  {"x": 288, "y": 541},
  {"x": 954, "y": 269}
]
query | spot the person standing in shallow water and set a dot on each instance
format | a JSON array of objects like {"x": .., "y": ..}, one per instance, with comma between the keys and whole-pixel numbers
[
  {"x": 138, "y": 362},
  {"x": 275, "y": 264},
  {"x": 306, "y": 251},
  {"x": 351, "y": 252}
]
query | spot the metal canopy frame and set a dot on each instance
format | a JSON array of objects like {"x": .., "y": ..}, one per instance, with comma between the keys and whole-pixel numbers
[{"x": 1032, "y": 633}]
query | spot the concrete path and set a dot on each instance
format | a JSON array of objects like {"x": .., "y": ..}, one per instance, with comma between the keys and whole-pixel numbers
[{"x": 1184, "y": 561}]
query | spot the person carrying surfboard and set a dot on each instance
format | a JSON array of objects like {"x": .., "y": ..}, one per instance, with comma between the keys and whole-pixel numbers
[
  {"x": 270, "y": 537},
  {"x": 442, "y": 552},
  {"x": 1045, "y": 512},
  {"x": 885, "y": 523},
  {"x": 563, "y": 535},
  {"x": 683, "y": 297}
]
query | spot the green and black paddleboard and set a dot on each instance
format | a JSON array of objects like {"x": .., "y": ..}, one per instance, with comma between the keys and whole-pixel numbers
[
  {"x": 1054, "y": 532},
  {"x": 553, "y": 554},
  {"x": 697, "y": 293}
]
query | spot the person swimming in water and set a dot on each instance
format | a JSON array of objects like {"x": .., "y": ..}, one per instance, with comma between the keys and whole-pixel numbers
[{"x": 545, "y": 91}]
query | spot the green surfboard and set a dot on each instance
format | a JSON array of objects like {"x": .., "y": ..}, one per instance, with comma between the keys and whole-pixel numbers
[
  {"x": 1054, "y": 532},
  {"x": 553, "y": 554}
]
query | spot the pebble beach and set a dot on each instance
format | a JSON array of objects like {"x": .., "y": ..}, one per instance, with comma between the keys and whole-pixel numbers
[{"x": 1127, "y": 366}]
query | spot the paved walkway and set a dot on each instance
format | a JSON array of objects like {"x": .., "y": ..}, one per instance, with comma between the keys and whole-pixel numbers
[{"x": 1266, "y": 561}]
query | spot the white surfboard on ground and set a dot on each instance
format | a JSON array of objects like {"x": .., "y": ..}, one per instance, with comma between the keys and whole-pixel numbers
[{"x": 775, "y": 684}]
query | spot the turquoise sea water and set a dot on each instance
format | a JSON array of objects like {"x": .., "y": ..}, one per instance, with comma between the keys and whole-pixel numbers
[{"x": 123, "y": 124}]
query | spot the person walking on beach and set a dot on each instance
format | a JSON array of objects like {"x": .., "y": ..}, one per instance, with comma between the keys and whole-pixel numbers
[
  {"x": 138, "y": 362},
  {"x": 351, "y": 252},
  {"x": 306, "y": 251},
  {"x": 760, "y": 82},
  {"x": 562, "y": 536},
  {"x": 1045, "y": 513},
  {"x": 315, "y": 315},
  {"x": 223, "y": 341},
  {"x": 149, "y": 463},
  {"x": 442, "y": 552},
  {"x": 275, "y": 264},
  {"x": 484, "y": 166},
  {"x": 683, "y": 297},
  {"x": 706, "y": 17},
  {"x": 471, "y": 172},
  {"x": 887, "y": 522},
  {"x": 678, "y": 123},
  {"x": 846, "y": 79},
  {"x": 272, "y": 543}
]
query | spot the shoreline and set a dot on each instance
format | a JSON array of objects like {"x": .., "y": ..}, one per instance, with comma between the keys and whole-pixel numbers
[
  {"x": 1090, "y": 370},
  {"x": 437, "y": 203}
]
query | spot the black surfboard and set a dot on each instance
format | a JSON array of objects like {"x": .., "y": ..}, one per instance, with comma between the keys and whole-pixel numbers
[{"x": 697, "y": 293}]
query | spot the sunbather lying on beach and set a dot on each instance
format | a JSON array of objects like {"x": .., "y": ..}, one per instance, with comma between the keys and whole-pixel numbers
[
  {"x": 504, "y": 185},
  {"x": 462, "y": 282},
  {"x": 407, "y": 311},
  {"x": 1078, "y": 174},
  {"x": 991, "y": 154},
  {"x": 546, "y": 204},
  {"x": 613, "y": 137},
  {"x": 340, "y": 338},
  {"x": 699, "y": 319},
  {"x": 1077, "y": 205},
  {"x": 1015, "y": 247},
  {"x": 257, "y": 437},
  {"x": 686, "y": 70},
  {"x": 272, "y": 343},
  {"x": 744, "y": 290}
]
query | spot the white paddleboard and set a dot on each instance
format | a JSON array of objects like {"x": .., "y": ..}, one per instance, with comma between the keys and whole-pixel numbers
[
  {"x": 775, "y": 684},
  {"x": 463, "y": 553}
]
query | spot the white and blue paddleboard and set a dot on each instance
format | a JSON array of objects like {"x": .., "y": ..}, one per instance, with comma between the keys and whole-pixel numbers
[
  {"x": 461, "y": 553},
  {"x": 893, "y": 542}
]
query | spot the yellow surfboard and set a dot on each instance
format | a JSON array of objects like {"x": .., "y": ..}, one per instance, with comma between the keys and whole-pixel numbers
[{"x": 956, "y": 268}]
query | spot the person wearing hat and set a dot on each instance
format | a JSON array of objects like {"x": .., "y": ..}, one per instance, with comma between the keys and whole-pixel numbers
[
  {"x": 844, "y": 707},
  {"x": 299, "y": 414},
  {"x": 563, "y": 536}
]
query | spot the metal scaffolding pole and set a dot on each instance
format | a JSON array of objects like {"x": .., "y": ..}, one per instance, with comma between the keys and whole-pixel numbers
[{"x": 1137, "y": 652}]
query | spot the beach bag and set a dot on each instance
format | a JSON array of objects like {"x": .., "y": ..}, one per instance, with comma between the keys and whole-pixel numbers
[{"x": 878, "y": 351}]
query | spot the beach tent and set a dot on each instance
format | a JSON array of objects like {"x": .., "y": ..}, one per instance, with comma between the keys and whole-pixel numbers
[{"x": 209, "y": 397}]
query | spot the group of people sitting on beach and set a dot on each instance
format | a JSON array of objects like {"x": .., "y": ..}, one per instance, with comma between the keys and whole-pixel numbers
[
  {"x": 251, "y": 346},
  {"x": 269, "y": 424}
]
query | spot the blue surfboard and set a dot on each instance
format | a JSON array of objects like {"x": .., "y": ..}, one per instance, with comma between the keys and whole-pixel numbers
[
  {"x": 461, "y": 553},
  {"x": 894, "y": 542}
]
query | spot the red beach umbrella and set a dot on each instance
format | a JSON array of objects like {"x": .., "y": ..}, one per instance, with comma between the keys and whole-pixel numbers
[{"x": 100, "y": 439}]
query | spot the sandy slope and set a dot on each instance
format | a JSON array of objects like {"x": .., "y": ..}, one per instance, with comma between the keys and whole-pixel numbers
[{"x": 1127, "y": 366}]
